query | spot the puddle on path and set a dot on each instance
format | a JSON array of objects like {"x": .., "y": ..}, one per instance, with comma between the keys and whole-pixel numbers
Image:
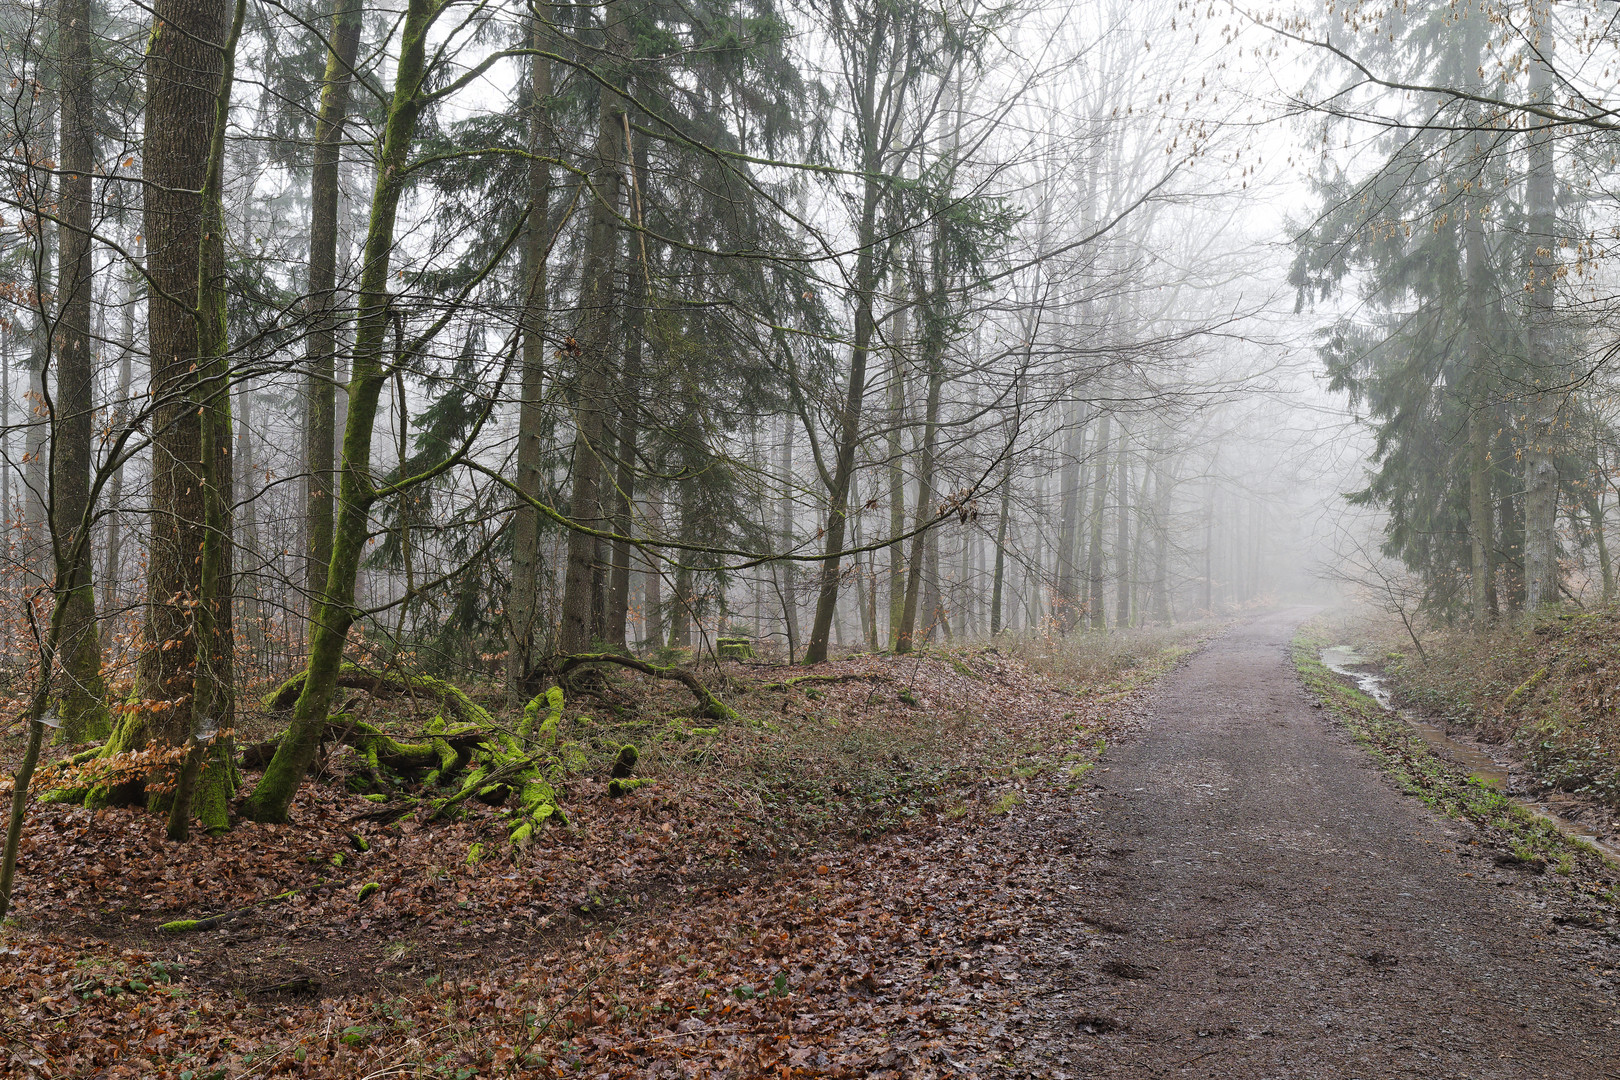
[{"x": 1345, "y": 660}]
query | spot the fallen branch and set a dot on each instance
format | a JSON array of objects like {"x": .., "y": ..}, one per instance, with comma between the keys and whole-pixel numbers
[
  {"x": 185, "y": 926},
  {"x": 353, "y": 676}
]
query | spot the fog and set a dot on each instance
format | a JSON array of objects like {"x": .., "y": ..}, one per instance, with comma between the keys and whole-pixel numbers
[{"x": 832, "y": 326}]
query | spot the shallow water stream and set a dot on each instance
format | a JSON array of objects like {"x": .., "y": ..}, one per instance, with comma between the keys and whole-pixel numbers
[{"x": 1480, "y": 763}]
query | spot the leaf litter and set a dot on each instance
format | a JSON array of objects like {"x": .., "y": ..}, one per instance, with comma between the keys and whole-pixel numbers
[{"x": 842, "y": 890}]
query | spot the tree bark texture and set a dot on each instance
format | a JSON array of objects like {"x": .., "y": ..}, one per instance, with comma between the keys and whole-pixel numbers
[
  {"x": 81, "y": 694},
  {"x": 523, "y": 602},
  {"x": 593, "y": 363},
  {"x": 320, "y": 348}
]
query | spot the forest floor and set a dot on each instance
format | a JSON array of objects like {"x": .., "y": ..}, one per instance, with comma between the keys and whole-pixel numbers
[
  {"x": 919, "y": 869},
  {"x": 837, "y": 888}
]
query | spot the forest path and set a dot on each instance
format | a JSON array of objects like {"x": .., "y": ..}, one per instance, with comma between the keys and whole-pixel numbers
[{"x": 1261, "y": 903}]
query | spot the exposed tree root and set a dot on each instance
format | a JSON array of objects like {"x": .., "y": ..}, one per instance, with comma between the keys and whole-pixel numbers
[
  {"x": 488, "y": 761},
  {"x": 708, "y": 704}
]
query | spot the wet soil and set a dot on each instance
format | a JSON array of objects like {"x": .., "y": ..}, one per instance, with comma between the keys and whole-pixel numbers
[{"x": 1263, "y": 903}]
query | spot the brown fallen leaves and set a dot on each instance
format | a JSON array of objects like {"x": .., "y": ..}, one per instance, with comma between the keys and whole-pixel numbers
[{"x": 716, "y": 924}]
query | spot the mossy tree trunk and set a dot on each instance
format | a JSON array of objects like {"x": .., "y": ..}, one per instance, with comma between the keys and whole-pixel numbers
[
  {"x": 213, "y": 679},
  {"x": 369, "y": 374},
  {"x": 320, "y": 350}
]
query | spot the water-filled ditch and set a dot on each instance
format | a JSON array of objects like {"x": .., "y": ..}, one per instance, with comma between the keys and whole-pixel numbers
[{"x": 1478, "y": 760}]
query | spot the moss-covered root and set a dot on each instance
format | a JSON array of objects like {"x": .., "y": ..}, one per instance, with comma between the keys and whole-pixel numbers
[
  {"x": 708, "y": 704},
  {"x": 617, "y": 788},
  {"x": 508, "y": 769},
  {"x": 531, "y": 729},
  {"x": 451, "y": 698}
]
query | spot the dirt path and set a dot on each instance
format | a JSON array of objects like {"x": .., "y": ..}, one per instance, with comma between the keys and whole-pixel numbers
[{"x": 1261, "y": 903}]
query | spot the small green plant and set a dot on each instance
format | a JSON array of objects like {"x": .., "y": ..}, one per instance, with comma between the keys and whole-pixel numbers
[{"x": 1005, "y": 804}]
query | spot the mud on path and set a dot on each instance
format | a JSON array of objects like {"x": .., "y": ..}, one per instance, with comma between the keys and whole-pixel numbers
[{"x": 1261, "y": 902}]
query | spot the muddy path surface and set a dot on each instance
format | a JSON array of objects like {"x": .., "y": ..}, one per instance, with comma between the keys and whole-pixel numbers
[{"x": 1258, "y": 901}]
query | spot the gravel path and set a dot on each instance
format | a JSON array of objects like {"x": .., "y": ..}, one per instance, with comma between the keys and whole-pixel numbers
[{"x": 1260, "y": 902}]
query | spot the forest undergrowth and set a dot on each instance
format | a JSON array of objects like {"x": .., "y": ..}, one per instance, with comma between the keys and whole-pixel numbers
[{"x": 806, "y": 892}]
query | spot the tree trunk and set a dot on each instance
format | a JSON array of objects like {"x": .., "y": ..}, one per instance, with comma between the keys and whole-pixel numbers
[
  {"x": 81, "y": 705},
  {"x": 248, "y": 528},
  {"x": 594, "y": 365},
  {"x": 926, "y": 467},
  {"x": 849, "y": 420},
  {"x": 208, "y": 771},
  {"x": 848, "y": 434},
  {"x": 1541, "y": 574},
  {"x": 1122, "y": 539},
  {"x": 1480, "y": 420},
  {"x": 183, "y": 65},
  {"x": 6, "y": 511},
  {"x": 652, "y": 578},
  {"x": 112, "y": 567},
  {"x": 1067, "y": 598},
  {"x": 1002, "y": 516},
  {"x": 523, "y": 599},
  {"x": 1099, "y": 498},
  {"x": 790, "y": 603},
  {"x": 273, "y": 796},
  {"x": 320, "y": 348},
  {"x": 896, "y": 464},
  {"x": 630, "y": 390}
]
